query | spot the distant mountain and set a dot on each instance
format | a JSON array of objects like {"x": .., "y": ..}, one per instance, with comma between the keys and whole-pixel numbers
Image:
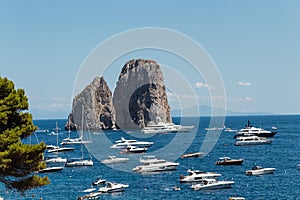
[{"x": 205, "y": 110}]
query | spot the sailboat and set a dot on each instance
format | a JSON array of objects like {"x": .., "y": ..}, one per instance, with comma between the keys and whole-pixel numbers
[
  {"x": 77, "y": 162},
  {"x": 70, "y": 141},
  {"x": 57, "y": 148}
]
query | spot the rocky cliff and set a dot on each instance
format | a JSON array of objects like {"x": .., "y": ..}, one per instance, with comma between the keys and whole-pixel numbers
[
  {"x": 140, "y": 97},
  {"x": 93, "y": 108}
]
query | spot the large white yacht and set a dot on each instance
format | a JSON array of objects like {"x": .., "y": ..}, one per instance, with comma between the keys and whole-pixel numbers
[
  {"x": 197, "y": 175},
  {"x": 211, "y": 184},
  {"x": 123, "y": 143},
  {"x": 165, "y": 128},
  {"x": 258, "y": 170},
  {"x": 250, "y": 130},
  {"x": 153, "y": 164},
  {"x": 251, "y": 140}
]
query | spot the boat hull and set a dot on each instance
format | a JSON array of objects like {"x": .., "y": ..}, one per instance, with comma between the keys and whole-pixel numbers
[
  {"x": 260, "y": 172},
  {"x": 245, "y": 143},
  {"x": 231, "y": 162},
  {"x": 223, "y": 185}
]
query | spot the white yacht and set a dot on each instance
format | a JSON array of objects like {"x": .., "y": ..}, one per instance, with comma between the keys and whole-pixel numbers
[
  {"x": 134, "y": 149},
  {"x": 56, "y": 160},
  {"x": 78, "y": 162},
  {"x": 192, "y": 155},
  {"x": 251, "y": 140},
  {"x": 165, "y": 128},
  {"x": 152, "y": 164},
  {"x": 99, "y": 181},
  {"x": 114, "y": 159},
  {"x": 124, "y": 143},
  {"x": 51, "y": 169},
  {"x": 113, "y": 187},
  {"x": 251, "y": 130},
  {"x": 70, "y": 141},
  {"x": 197, "y": 175},
  {"x": 211, "y": 184},
  {"x": 258, "y": 170}
]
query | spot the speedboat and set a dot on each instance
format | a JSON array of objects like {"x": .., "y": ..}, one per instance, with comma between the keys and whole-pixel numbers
[
  {"x": 152, "y": 164},
  {"x": 230, "y": 130},
  {"x": 112, "y": 187},
  {"x": 258, "y": 170},
  {"x": 114, "y": 159},
  {"x": 124, "y": 143},
  {"x": 99, "y": 181},
  {"x": 192, "y": 155},
  {"x": 134, "y": 149},
  {"x": 197, "y": 175},
  {"x": 51, "y": 169},
  {"x": 79, "y": 162},
  {"x": 165, "y": 128},
  {"x": 252, "y": 140},
  {"x": 229, "y": 161},
  {"x": 211, "y": 184},
  {"x": 251, "y": 130},
  {"x": 92, "y": 195},
  {"x": 56, "y": 149},
  {"x": 236, "y": 198}
]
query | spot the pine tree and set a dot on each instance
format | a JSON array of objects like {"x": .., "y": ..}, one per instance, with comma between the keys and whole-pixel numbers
[{"x": 19, "y": 162}]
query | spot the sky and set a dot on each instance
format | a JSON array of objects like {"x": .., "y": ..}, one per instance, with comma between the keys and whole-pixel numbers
[{"x": 255, "y": 46}]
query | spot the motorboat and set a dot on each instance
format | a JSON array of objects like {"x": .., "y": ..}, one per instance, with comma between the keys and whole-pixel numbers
[
  {"x": 99, "y": 181},
  {"x": 70, "y": 141},
  {"x": 153, "y": 164},
  {"x": 211, "y": 184},
  {"x": 229, "y": 161},
  {"x": 236, "y": 198},
  {"x": 78, "y": 162},
  {"x": 51, "y": 169},
  {"x": 134, "y": 149},
  {"x": 165, "y": 128},
  {"x": 252, "y": 140},
  {"x": 56, "y": 160},
  {"x": 298, "y": 166},
  {"x": 124, "y": 143},
  {"x": 192, "y": 155},
  {"x": 113, "y": 187},
  {"x": 114, "y": 159},
  {"x": 197, "y": 175},
  {"x": 251, "y": 130},
  {"x": 230, "y": 130},
  {"x": 92, "y": 195},
  {"x": 258, "y": 170},
  {"x": 215, "y": 128}
]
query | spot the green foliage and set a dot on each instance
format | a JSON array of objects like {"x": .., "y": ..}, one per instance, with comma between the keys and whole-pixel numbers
[{"x": 18, "y": 162}]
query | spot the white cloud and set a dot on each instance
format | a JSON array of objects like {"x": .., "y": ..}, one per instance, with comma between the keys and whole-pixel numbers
[
  {"x": 244, "y": 83},
  {"x": 201, "y": 85}
]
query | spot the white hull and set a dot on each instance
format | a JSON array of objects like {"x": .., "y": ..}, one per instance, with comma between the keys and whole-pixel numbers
[
  {"x": 260, "y": 171},
  {"x": 80, "y": 163},
  {"x": 244, "y": 143},
  {"x": 213, "y": 186},
  {"x": 56, "y": 160},
  {"x": 198, "y": 177},
  {"x": 51, "y": 169},
  {"x": 113, "y": 160},
  {"x": 113, "y": 187}
]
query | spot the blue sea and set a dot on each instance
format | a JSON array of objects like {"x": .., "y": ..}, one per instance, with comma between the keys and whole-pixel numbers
[{"x": 283, "y": 154}]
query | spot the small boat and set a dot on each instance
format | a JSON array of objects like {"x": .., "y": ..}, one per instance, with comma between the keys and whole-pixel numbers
[
  {"x": 192, "y": 155},
  {"x": 298, "y": 166},
  {"x": 165, "y": 128},
  {"x": 69, "y": 141},
  {"x": 134, "y": 149},
  {"x": 114, "y": 159},
  {"x": 230, "y": 130},
  {"x": 153, "y": 164},
  {"x": 211, "y": 184},
  {"x": 124, "y": 143},
  {"x": 258, "y": 170},
  {"x": 51, "y": 169},
  {"x": 236, "y": 198},
  {"x": 229, "y": 161},
  {"x": 56, "y": 160},
  {"x": 176, "y": 188},
  {"x": 113, "y": 187},
  {"x": 252, "y": 140},
  {"x": 215, "y": 129},
  {"x": 197, "y": 175},
  {"x": 78, "y": 162},
  {"x": 99, "y": 181},
  {"x": 92, "y": 195}
]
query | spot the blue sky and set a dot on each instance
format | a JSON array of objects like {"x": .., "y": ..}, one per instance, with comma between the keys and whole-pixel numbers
[{"x": 255, "y": 45}]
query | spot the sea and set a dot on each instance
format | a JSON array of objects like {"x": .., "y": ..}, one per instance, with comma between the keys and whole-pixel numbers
[{"x": 282, "y": 154}]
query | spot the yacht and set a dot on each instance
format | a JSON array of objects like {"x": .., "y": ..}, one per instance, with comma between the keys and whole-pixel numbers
[
  {"x": 165, "y": 128},
  {"x": 229, "y": 161},
  {"x": 197, "y": 175},
  {"x": 134, "y": 149},
  {"x": 211, "y": 184},
  {"x": 124, "y": 143},
  {"x": 258, "y": 170},
  {"x": 113, "y": 187},
  {"x": 152, "y": 164},
  {"x": 51, "y": 169},
  {"x": 92, "y": 195},
  {"x": 192, "y": 155},
  {"x": 70, "y": 141},
  {"x": 114, "y": 159},
  {"x": 56, "y": 160},
  {"x": 78, "y": 162},
  {"x": 252, "y": 140},
  {"x": 251, "y": 130}
]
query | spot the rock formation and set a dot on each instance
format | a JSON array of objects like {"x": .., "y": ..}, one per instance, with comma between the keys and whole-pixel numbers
[
  {"x": 93, "y": 109},
  {"x": 140, "y": 97}
]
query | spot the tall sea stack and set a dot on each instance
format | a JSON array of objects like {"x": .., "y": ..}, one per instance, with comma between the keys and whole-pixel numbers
[
  {"x": 140, "y": 96},
  {"x": 93, "y": 108}
]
